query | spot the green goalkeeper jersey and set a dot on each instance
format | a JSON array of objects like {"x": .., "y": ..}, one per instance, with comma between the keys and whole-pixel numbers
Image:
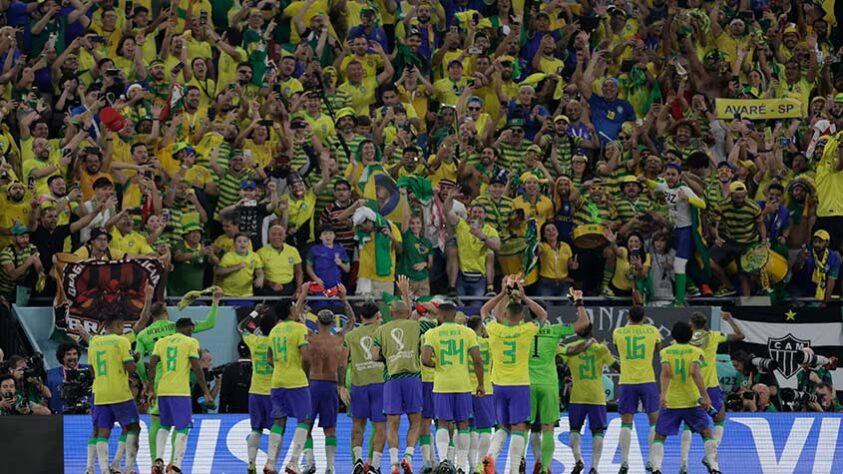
[
  {"x": 543, "y": 353},
  {"x": 162, "y": 328}
]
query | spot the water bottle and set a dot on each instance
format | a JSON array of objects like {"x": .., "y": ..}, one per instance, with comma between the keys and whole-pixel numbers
[{"x": 712, "y": 412}]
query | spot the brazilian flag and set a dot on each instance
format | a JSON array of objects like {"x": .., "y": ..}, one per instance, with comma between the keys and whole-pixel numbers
[
  {"x": 530, "y": 262},
  {"x": 699, "y": 269}
]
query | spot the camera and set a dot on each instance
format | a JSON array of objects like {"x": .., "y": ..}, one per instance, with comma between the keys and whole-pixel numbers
[
  {"x": 763, "y": 365},
  {"x": 34, "y": 367},
  {"x": 218, "y": 370},
  {"x": 808, "y": 357},
  {"x": 76, "y": 391}
]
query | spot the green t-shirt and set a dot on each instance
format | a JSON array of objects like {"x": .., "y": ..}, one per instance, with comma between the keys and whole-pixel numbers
[
  {"x": 364, "y": 370},
  {"x": 416, "y": 250},
  {"x": 146, "y": 339},
  {"x": 543, "y": 353},
  {"x": 399, "y": 344},
  {"x": 187, "y": 275}
]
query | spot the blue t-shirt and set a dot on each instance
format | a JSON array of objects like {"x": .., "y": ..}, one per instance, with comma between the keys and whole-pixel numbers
[
  {"x": 322, "y": 260},
  {"x": 776, "y": 222},
  {"x": 803, "y": 284},
  {"x": 608, "y": 117}
]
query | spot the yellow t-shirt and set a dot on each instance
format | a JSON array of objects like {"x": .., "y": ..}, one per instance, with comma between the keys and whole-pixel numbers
[
  {"x": 621, "y": 279},
  {"x": 370, "y": 63},
  {"x": 261, "y": 370},
  {"x": 637, "y": 344},
  {"x": 446, "y": 170},
  {"x": 682, "y": 392},
  {"x": 541, "y": 211},
  {"x": 175, "y": 353},
  {"x": 510, "y": 348},
  {"x": 472, "y": 251},
  {"x": 323, "y": 127},
  {"x": 132, "y": 243},
  {"x": 29, "y": 166},
  {"x": 587, "y": 373},
  {"x": 302, "y": 211},
  {"x": 108, "y": 354},
  {"x": 279, "y": 265},
  {"x": 240, "y": 282},
  {"x": 83, "y": 252},
  {"x": 362, "y": 95},
  {"x": 286, "y": 340},
  {"x": 553, "y": 263},
  {"x": 486, "y": 355},
  {"x": 11, "y": 213},
  {"x": 709, "y": 361},
  {"x": 448, "y": 91},
  {"x": 451, "y": 344},
  {"x": 367, "y": 258}
]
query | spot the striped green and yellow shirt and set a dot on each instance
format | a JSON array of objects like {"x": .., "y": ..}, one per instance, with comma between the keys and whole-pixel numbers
[
  {"x": 230, "y": 189},
  {"x": 497, "y": 212},
  {"x": 738, "y": 223},
  {"x": 16, "y": 257},
  {"x": 627, "y": 208}
]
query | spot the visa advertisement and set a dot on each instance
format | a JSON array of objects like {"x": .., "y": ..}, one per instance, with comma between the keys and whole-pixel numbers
[{"x": 769, "y": 443}]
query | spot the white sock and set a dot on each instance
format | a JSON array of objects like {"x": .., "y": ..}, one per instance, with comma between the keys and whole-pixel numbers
[
  {"x": 409, "y": 452},
  {"x": 393, "y": 456},
  {"x": 427, "y": 453},
  {"x": 376, "y": 459},
  {"x": 496, "y": 444},
  {"x": 253, "y": 442},
  {"x": 161, "y": 440},
  {"x": 131, "y": 451},
  {"x": 711, "y": 454},
  {"x": 357, "y": 452},
  {"x": 483, "y": 447},
  {"x": 180, "y": 448},
  {"x": 473, "y": 444},
  {"x": 536, "y": 445},
  {"x": 717, "y": 432},
  {"x": 596, "y": 450},
  {"x": 452, "y": 451},
  {"x": 92, "y": 455},
  {"x": 330, "y": 456},
  {"x": 625, "y": 438},
  {"x": 443, "y": 438},
  {"x": 102, "y": 454},
  {"x": 273, "y": 450},
  {"x": 516, "y": 450},
  {"x": 576, "y": 445},
  {"x": 297, "y": 446},
  {"x": 651, "y": 435},
  {"x": 656, "y": 455},
  {"x": 118, "y": 456},
  {"x": 685, "y": 447},
  {"x": 308, "y": 457},
  {"x": 462, "y": 445}
]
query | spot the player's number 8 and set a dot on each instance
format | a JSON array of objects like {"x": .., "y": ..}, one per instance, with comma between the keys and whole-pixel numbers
[{"x": 172, "y": 354}]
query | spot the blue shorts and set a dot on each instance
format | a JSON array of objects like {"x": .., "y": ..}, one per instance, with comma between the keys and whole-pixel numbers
[
  {"x": 427, "y": 400},
  {"x": 577, "y": 413},
  {"x": 631, "y": 393},
  {"x": 324, "y": 402},
  {"x": 175, "y": 411},
  {"x": 454, "y": 407},
  {"x": 291, "y": 402},
  {"x": 260, "y": 411},
  {"x": 716, "y": 396},
  {"x": 367, "y": 402},
  {"x": 670, "y": 418},
  {"x": 125, "y": 413},
  {"x": 512, "y": 404},
  {"x": 402, "y": 396},
  {"x": 683, "y": 242},
  {"x": 483, "y": 409}
]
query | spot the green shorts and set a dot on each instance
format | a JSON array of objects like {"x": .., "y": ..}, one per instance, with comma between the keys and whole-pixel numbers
[{"x": 544, "y": 402}]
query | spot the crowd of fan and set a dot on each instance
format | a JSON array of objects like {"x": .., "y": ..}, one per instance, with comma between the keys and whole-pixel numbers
[{"x": 262, "y": 144}]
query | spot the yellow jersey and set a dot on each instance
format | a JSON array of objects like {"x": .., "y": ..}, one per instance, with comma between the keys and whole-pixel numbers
[
  {"x": 510, "y": 348},
  {"x": 279, "y": 265},
  {"x": 709, "y": 361},
  {"x": 132, "y": 243},
  {"x": 286, "y": 341},
  {"x": 682, "y": 392},
  {"x": 261, "y": 370},
  {"x": 174, "y": 355},
  {"x": 486, "y": 356},
  {"x": 472, "y": 250},
  {"x": 240, "y": 282},
  {"x": 108, "y": 355},
  {"x": 637, "y": 344},
  {"x": 587, "y": 373},
  {"x": 451, "y": 344}
]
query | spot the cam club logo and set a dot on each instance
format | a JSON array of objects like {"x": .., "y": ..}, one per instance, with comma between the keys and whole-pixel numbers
[{"x": 784, "y": 351}]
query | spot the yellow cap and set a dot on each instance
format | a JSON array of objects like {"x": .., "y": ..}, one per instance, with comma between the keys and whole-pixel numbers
[
  {"x": 561, "y": 118},
  {"x": 535, "y": 149},
  {"x": 822, "y": 234},
  {"x": 579, "y": 157},
  {"x": 737, "y": 186},
  {"x": 528, "y": 176},
  {"x": 345, "y": 112},
  {"x": 791, "y": 29}
]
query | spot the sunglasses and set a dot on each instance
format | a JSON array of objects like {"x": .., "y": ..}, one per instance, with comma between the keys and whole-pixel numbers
[
  {"x": 474, "y": 108},
  {"x": 518, "y": 131}
]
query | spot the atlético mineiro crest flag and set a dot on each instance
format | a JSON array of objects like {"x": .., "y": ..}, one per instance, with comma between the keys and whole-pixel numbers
[{"x": 782, "y": 332}]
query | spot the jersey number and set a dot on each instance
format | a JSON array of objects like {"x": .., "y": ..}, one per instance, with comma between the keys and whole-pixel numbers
[
  {"x": 280, "y": 348},
  {"x": 450, "y": 350},
  {"x": 679, "y": 369},
  {"x": 262, "y": 367},
  {"x": 634, "y": 348},
  {"x": 509, "y": 352},
  {"x": 588, "y": 368},
  {"x": 101, "y": 364},
  {"x": 172, "y": 354}
]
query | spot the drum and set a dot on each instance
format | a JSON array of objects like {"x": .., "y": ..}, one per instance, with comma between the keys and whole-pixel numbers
[
  {"x": 760, "y": 260},
  {"x": 589, "y": 236}
]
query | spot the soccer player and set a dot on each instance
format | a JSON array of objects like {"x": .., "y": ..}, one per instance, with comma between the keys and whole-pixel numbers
[
  {"x": 179, "y": 355},
  {"x": 366, "y": 389},
  {"x": 447, "y": 348},
  {"x": 509, "y": 342},
  {"x": 260, "y": 401},
  {"x": 586, "y": 359},
  {"x": 427, "y": 375},
  {"x": 161, "y": 327},
  {"x": 397, "y": 344},
  {"x": 112, "y": 363},
  {"x": 290, "y": 392},
  {"x": 544, "y": 384},
  {"x": 327, "y": 358},
  {"x": 682, "y": 393},
  {"x": 637, "y": 343},
  {"x": 483, "y": 408},
  {"x": 708, "y": 342}
]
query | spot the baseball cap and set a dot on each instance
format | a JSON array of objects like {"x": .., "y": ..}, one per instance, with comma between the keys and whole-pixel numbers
[
  {"x": 737, "y": 186},
  {"x": 561, "y": 118},
  {"x": 99, "y": 232},
  {"x": 534, "y": 148},
  {"x": 822, "y": 234},
  {"x": 19, "y": 229}
]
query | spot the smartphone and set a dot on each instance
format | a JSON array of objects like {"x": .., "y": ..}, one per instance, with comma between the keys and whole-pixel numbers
[
  {"x": 98, "y": 39},
  {"x": 265, "y": 123},
  {"x": 746, "y": 15},
  {"x": 177, "y": 68},
  {"x": 112, "y": 72},
  {"x": 474, "y": 50},
  {"x": 203, "y": 18},
  {"x": 130, "y": 8}
]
